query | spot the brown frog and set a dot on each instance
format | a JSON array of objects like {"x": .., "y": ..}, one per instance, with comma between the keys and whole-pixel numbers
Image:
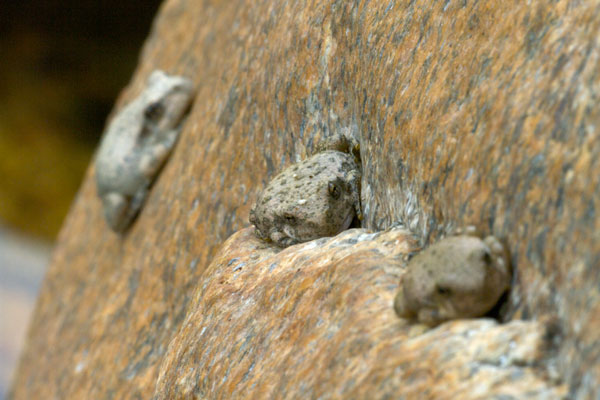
[
  {"x": 461, "y": 276},
  {"x": 314, "y": 198}
]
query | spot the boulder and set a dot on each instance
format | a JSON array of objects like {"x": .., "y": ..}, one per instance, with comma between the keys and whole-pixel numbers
[{"x": 468, "y": 113}]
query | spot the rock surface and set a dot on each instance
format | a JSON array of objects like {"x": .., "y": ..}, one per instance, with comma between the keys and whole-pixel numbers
[
  {"x": 315, "y": 321},
  {"x": 469, "y": 113}
]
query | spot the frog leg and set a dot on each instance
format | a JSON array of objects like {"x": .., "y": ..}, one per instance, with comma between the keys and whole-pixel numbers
[
  {"x": 153, "y": 158},
  {"x": 354, "y": 179},
  {"x": 116, "y": 209},
  {"x": 281, "y": 239},
  {"x": 120, "y": 210},
  {"x": 342, "y": 142}
]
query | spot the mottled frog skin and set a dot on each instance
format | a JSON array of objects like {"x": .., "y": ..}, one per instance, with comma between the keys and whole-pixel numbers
[
  {"x": 137, "y": 143},
  {"x": 315, "y": 198},
  {"x": 461, "y": 276}
]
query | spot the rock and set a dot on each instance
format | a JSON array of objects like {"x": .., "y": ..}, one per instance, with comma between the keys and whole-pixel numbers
[
  {"x": 469, "y": 113},
  {"x": 315, "y": 321}
]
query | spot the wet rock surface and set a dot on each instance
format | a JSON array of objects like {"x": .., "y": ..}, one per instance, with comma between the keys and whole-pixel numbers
[{"x": 469, "y": 113}]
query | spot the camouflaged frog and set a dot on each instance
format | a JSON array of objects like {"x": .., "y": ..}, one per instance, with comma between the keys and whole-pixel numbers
[
  {"x": 137, "y": 143},
  {"x": 317, "y": 197},
  {"x": 461, "y": 276}
]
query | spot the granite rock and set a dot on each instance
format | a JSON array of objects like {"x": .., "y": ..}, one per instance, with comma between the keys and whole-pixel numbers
[
  {"x": 468, "y": 112},
  {"x": 315, "y": 321}
]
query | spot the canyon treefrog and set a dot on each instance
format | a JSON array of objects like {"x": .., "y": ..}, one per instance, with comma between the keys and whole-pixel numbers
[
  {"x": 314, "y": 198},
  {"x": 136, "y": 144},
  {"x": 459, "y": 277}
]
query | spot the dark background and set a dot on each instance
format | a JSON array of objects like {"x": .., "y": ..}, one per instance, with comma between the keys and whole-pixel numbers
[{"x": 62, "y": 65}]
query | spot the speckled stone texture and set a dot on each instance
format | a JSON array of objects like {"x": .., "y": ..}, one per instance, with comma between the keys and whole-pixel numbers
[
  {"x": 468, "y": 112},
  {"x": 315, "y": 321}
]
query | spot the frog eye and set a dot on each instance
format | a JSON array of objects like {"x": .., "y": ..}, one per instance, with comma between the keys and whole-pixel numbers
[
  {"x": 487, "y": 258},
  {"x": 154, "y": 111},
  {"x": 334, "y": 190},
  {"x": 443, "y": 290},
  {"x": 290, "y": 219}
]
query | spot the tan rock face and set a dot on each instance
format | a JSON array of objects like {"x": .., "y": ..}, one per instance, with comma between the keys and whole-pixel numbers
[
  {"x": 316, "y": 321},
  {"x": 480, "y": 113}
]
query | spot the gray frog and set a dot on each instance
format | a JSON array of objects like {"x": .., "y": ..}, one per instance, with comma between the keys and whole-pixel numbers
[
  {"x": 317, "y": 197},
  {"x": 137, "y": 143},
  {"x": 461, "y": 276}
]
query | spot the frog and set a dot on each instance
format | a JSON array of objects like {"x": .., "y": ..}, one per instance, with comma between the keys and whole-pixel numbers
[
  {"x": 136, "y": 144},
  {"x": 460, "y": 276},
  {"x": 317, "y": 197}
]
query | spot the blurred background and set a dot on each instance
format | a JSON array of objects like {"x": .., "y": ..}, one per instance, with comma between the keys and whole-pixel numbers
[{"x": 62, "y": 64}]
